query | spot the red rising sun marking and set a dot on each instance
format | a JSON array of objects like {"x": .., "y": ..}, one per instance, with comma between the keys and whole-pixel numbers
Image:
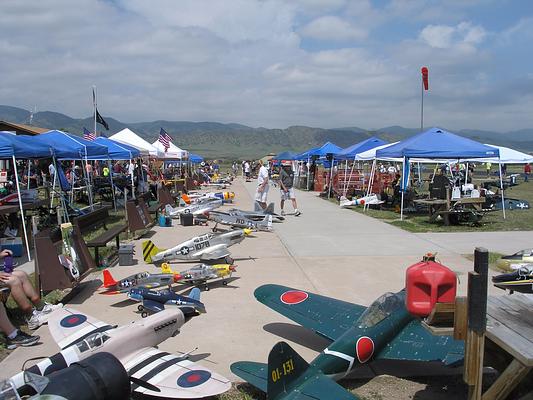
[
  {"x": 73, "y": 320},
  {"x": 194, "y": 378},
  {"x": 364, "y": 349},
  {"x": 293, "y": 297}
]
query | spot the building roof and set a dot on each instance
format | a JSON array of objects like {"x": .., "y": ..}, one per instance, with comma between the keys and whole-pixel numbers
[{"x": 21, "y": 129}]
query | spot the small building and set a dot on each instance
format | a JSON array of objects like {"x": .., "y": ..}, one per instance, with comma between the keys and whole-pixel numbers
[{"x": 21, "y": 129}]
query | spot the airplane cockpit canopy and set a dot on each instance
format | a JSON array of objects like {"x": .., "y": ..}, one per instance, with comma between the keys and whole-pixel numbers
[
  {"x": 380, "y": 309},
  {"x": 92, "y": 341},
  {"x": 524, "y": 253}
]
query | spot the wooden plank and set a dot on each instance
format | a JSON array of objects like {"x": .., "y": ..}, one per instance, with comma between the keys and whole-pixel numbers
[
  {"x": 516, "y": 321},
  {"x": 460, "y": 318},
  {"x": 473, "y": 369},
  {"x": 442, "y": 314},
  {"x": 507, "y": 381},
  {"x": 510, "y": 341},
  {"x": 438, "y": 330}
]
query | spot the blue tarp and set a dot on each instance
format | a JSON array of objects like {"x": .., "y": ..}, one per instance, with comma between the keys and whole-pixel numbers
[
  {"x": 438, "y": 144},
  {"x": 118, "y": 151},
  {"x": 195, "y": 158},
  {"x": 66, "y": 146},
  {"x": 350, "y": 152},
  {"x": 325, "y": 149},
  {"x": 21, "y": 146}
]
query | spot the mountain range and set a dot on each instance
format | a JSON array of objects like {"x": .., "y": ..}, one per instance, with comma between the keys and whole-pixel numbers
[{"x": 217, "y": 140}]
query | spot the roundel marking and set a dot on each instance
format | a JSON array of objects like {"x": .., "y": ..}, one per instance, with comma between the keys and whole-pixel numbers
[
  {"x": 293, "y": 297},
  {"x": 364, "y": 348},
  {"x": 70, "y": 321},
  {"x": 184, "y": 250},
  {"x": 193, "y": 378}
]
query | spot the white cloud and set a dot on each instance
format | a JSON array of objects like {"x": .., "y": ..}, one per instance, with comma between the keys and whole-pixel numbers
[
  {"x": 332, "y": 28},
  {"x": 464, "y": 35}
]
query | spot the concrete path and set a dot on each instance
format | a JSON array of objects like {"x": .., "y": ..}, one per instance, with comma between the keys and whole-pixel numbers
[{"x": 327, "y": 250}]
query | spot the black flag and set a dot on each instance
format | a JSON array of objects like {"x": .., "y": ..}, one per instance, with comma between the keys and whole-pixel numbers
[{"x": 101, "y": 121}]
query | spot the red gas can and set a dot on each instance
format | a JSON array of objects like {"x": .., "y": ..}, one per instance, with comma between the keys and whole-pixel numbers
[{"x": 427, "y": 283}]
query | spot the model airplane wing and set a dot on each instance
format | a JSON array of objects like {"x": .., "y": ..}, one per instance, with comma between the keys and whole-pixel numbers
[
  {"x": 327, "y": 317},
  {"x": 416, "y": 343},
  {"x": 68, "y": 326},
  {"x": 254, "y": 373},
  {"x": 213, "y": 252},
  {"x": 173, "y": 376},
  {"x": 153, "y": 306}
]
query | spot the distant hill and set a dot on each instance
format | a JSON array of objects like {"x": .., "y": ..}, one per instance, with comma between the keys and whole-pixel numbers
[{"x": 213, "y": 139}]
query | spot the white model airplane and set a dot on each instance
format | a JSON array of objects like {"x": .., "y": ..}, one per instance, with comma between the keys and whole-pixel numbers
[
  {"x": 195, "y": 209},
  {"x": 154, "y": 372},
  {"x": 361, "y": 201}
]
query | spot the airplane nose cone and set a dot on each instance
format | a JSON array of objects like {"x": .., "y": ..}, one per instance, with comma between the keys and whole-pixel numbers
[
  {"x": 247, "y": 231},
  {"x": 233, "y": 268}
]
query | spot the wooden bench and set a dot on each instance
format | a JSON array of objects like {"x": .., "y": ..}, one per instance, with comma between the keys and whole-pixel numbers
[
  {"x": 93, "y": 220},
  {"x": 153, "y": 206}
]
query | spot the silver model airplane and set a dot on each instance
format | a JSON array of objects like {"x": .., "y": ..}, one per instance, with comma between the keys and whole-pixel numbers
[
  {"x": 195, "y": 209},
  {"x": 202, "y": 273},
  {"x": 239, "y": 221},
  {"x": 258, "y": 213},
  {"x": 164, "y": 375},
  {"x": 139, "y": 280},
  {"x": 207, "y": 247}
]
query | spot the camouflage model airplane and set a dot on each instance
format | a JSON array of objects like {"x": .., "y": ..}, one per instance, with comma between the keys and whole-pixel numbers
[
  {"x": 521, "y": 280},
  {"x": 201, "y": 273},
  {"x": 153, "y": 372},
  {"x": 385, "y": 330},
  {"x": 237, "y": 221},
  {"x": 516, "y": 260},
  {"x": 207, "y": 247},
  {"x": 154, "y": 301},
  {"x": 195, "y": 209},
  {"x": 258, "y": 214},
  {"x": 140, "y": 280}
]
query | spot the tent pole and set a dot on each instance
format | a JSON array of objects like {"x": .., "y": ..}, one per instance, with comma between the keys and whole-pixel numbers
[
  {"x": 350, "y": 178},
  {"x": 21, "y": 209},
  {"x": 344, "y": 183},
  {"x": 131, "y": 175},
  {"x": 308, "y": 172},
  {"x": 54, "y": 184},
  {"x": 501, "y": 186},
  {"x": 370, "y": 182},
  {"x": 330, "y": 177},
  {"x": 87, "y": 181},
  {"x": 112, "y": 184},
  {"x": 403, "y": 189}
]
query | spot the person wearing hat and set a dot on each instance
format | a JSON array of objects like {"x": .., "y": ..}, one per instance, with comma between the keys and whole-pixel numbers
[{"x": 286, "y": 179}]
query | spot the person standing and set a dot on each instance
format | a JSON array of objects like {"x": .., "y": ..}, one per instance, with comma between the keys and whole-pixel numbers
[
  {"x": 286, "y": 180},
  {"x": 261, "y": 193},
  {"x": 247, "y": 170},
  {"x": 488, "y": 166},
  {"x": 527, "y": 172}
]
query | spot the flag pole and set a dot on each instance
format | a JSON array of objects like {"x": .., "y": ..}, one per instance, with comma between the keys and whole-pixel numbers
[
  {"x": 94, "y": 106},
  {"x": 422, "y": 106}
]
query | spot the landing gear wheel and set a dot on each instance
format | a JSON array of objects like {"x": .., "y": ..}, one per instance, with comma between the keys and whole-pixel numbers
[
  {"x": 229, "y": 260},
  {"x": 140, "y": 307},
  {"x": 144, "y": 314},
  {"x": 224, "y": 283},
  {"x": 206, "y": 288}
]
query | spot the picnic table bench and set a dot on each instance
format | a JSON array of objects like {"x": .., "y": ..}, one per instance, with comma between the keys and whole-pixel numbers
[
  {"x": 94, "y": 220},
  {"x": 466, "y": 209}
]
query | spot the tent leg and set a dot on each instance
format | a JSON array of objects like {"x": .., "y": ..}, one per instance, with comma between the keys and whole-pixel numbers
[
  {"x": 22, "y": 209},
  {"x": 501, "y": 187}
]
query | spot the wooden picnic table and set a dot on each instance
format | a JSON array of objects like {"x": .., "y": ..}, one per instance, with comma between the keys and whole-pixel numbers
[
  {"x": 443, "y": 208},
  {"x": 510, "y": 327}
]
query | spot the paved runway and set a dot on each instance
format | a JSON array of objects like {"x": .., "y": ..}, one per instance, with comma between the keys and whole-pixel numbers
[{"x": 327, "y": 250}]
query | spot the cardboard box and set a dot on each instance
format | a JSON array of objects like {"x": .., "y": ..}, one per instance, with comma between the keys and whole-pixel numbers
[{"x": 13, "y": 244}]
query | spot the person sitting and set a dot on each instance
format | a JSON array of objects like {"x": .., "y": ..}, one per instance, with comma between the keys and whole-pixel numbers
[
  {"x": 26, "y": 297},
  {"x": 14, "y": 337}
]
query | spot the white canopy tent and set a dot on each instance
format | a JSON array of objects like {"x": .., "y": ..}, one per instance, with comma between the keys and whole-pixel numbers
[
  {"x": 507, "y": 156},
  {"x": 173, "y": 152},
  {"x": 127, "y": 136}
]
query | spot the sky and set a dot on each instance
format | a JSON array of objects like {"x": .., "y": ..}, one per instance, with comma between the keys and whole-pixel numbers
[{"x": 273, "y": 63}]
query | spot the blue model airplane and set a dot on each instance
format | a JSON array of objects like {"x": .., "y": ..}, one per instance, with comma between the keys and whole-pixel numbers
[{"x": 154, "y": 301}]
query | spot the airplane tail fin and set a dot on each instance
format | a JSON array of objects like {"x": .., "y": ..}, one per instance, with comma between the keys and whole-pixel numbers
[
  {"x": 109, "y": 281},
  {"x": 257, "y": 207},
  {"x": 270, "y": 209},
  {"x": 266, "y": 223},
  {"x": 149, "y": 250},
  {"x": 285, "y": 366},
  {"x": 195, "y": 294}
]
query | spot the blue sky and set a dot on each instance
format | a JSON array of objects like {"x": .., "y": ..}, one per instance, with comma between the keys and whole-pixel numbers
[{"x": 274, "y": 63}]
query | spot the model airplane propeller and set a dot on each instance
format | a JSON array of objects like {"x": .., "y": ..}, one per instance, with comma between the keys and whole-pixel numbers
[
  {"x": 159, "y": 374},
  {"x": 357, "y": 335}
]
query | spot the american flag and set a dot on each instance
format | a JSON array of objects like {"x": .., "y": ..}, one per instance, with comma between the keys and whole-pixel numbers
[
  {"x": 88, "y": 135},
  {"x": 164, "y": 139}
]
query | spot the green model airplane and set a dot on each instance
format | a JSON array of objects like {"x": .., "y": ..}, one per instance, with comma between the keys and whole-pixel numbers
[{"x": 385, "y": 330}]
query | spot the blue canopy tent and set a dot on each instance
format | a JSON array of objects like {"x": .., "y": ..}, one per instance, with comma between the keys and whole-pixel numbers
[
  {"x": 13, "y": 147},
  {"x": 195, "y": 158},
  {"x": 284, "y": 156},
  {"x": 328, "y": 150},
  {"x": 436, "y": 143}
]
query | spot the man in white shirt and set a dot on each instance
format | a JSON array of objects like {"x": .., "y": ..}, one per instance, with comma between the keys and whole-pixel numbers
[
  {"x": 261, "y": 193},
  {"x": 247, "y": 170}
]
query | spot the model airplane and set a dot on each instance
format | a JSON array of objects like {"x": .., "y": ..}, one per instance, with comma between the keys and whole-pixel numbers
[
  {"x": 154, "y": 301},
  {"x": 258, "y": 214},
  {"x": 201, "y": 273},
  {"x": 195, "y": 209},
  {"x": 207, "y": 247},
  {"x": 140, "y": 280},
  {"x": 385, "y": 330},
  {"x": 135, "y": 345},
  {"x": 516, "y": 260},
  {"x": 521, "y": 280},
  {"x": 361, "y": 201},
  {"x": 192, "y": 198},
  {"x": 237, "y": 221}
]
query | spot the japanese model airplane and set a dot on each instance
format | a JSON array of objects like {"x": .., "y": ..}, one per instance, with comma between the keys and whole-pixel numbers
[
  {"x": 361, "y": 201},
  {"x": 201, "y": 273},
  {"x": 135, "y": 345},
  {"x": 516, "y": 260},
  {"x": 521, "y": 280},
  {"x": 207, "y": 247},
  {"x": 237, "y": 221},
  {"x": 258, "y": 214},
  {"x": 140, "y": 280},
  {"x": 195, "y": 209},
  {"x": 358, "y": 335},
  {"x": 154, "y": 301}
]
